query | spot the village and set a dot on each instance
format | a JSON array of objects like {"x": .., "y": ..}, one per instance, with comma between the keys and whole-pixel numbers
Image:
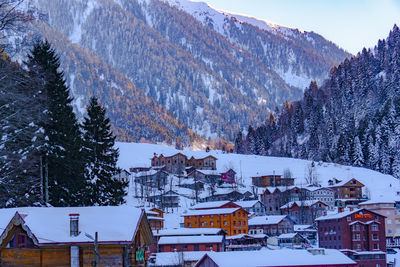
[{"x": 185, "y": 211}]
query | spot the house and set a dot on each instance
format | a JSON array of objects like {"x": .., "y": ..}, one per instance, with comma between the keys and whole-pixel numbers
[
  {"x": 122, "y": 176},
  {"x": 232, "y": 220},
  {"x": 215, "y": 205},
  {"x": 139, "y": 169},
  {"x": 366, "y": 258},
  {"x": 245, "y": 242},
  {"x": 277, "y": 258},
  {"x": 271, "y": 180},
  {"x": 386, "y": 207},
  {"x": 360, "y": 230},
  {"x": 155, "y": 217},
  {"x": 273, "y": 198},
  {"x": 209, "y": 176},
  {"x": 304, "y": 212},
  {"x": 225, "y": 193},
  {"x": 177, "y": 163},
  {"x": 191, "y": 243},
  {"x": 228, "y": 176},
  {"x": 169, "y": 199},
  {"x": 271, "y": 225},
  {"x": 191, "y": 183},
  {"x": 152, "y": 178},
  {"x": 292, "y": 240},
  {"x": 348, "y": 190},
  {"x": 252, "y": 206},
  {"x": 324, "y": 194},
  {"x": 307, "y": 231},
  {"x": 48, "y": 236}
]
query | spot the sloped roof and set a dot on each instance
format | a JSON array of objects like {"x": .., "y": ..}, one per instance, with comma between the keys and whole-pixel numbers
[
  {"x": 280, "y": 257},
  {"x": 187, "y": 231},
  {"x": 266, "y": 220},
  {"x": 52, "y": 225},
  {"x": 208, "y": 205},
  {"x": 247, "y": 203},
  {"x": 305, "y": 203},
  {"x": 194, "y": 239},
  {"x": 211, "y": 212}
]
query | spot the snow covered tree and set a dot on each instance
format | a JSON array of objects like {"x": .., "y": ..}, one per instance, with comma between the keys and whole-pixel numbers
[
  {"x": 62, "y": 151},
  {"x": 101, "y": 159},
  {"x": 357, "y": 157}
]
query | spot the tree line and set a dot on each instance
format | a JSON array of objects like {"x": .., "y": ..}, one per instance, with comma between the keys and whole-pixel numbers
[{"x": 353, "y": 118}]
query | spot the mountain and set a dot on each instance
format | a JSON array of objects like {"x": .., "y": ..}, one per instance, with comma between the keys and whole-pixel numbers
[
  {"x": 213, "y": 73},
  {"x": 353, "y": 118}
]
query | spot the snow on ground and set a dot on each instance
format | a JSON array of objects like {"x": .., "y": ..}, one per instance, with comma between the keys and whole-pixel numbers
[{"x": 246, "y": 166}]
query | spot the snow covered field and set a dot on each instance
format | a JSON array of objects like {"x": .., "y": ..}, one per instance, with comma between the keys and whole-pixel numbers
[{"x": 246, "y": 166}]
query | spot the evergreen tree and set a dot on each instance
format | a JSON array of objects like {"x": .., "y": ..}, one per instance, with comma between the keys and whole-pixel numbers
[
  {"x": 357, "y": 157},
  {"x": 101, "y": 159},
  {"x": 62, "y": 149}
]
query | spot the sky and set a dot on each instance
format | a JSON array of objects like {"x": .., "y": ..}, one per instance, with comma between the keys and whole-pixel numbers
[{"x": 351, "y": 24}]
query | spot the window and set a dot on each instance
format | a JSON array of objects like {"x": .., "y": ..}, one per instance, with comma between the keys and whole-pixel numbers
[
  {"x": 349, "y": 218},
  {"x": 374, "y": 227},
  {"x": 225, "y": 223},
  {"x": 244, "y": 222},
  {"x": 211, "y": 223},
  {"x": 234, "y": 223},
  {"x": 239, "y": 214},
  {"x": 238, "y": 222},
  {"x": 375, "y": 237},
  {"x": 189, "y": 225},
  {"x": 234, "y": 232},
  {"x": 376, "y": 246}
]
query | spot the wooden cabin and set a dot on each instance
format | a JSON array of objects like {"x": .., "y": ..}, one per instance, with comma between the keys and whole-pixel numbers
[{"x": 43, "y": 236}]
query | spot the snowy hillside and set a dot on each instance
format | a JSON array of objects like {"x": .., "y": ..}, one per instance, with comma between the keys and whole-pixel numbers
[{"x": 378, "y": 184}]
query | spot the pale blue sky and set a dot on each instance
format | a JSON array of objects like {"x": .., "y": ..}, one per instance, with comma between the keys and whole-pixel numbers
[{"x": 351, "y": 24}]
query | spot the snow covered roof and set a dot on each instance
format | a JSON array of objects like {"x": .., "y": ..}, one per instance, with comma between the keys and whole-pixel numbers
[
  {"x": 146, "y": 173},
  {"x": 379, "y": 200},
  {"x": 174, "y": 258},
  {"x": 304, "y": 203},
  {"x": 210, "y": 211},
  {"x": 303, "y": 227},
  {"x": 193, "y": 239},
  {"x": 209, "y": 205},
  {"x": 281, "y": 257},
  {"x": 247, "y": 203},
  {"x": 316, "y": 188},
  {"x": 344, "y": 181},
  {"x": 338, "y": 215},
  {"x": 187, "y": 231},
  {"x": 287, "y": 235},
  {"x": 266, "y": 220},
  {"x": 155, "y": 218},
  {"x": 239, "y": 236},
  {"x": 52, "y": 225}
]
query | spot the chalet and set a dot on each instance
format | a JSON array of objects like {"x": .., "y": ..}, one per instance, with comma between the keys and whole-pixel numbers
[
  {"x": 191, "y": 183},
  {"x": 324, "y": 194},
  {"x": 65, "y": 236},
  {"x": 191, "y": 243},
  {"x": 177, "y": 259},
  {"x": 152, "y": 178},
  {"x": 273, "y": 198},
  {"x": 246, "y": 242},
  {"x": 272, "y": 225},
  {"x": 359, "y": 230},
  {"x": 228, "y": 177},
  {"x": 307, "y": 231},
  {"x": 221, "y": 193},
  {"x": 209, "y": 176},
  {"x": 348, "y": 190},
  {"x": 232, "y": 220},
  {"x": 169, "y": 199},
  {"x": 255, "y": 207},
  {"x": 292, "y": 240},
  {"x": 122, "y": 176},
  {"x": 139, "y": 169},
  {"x": 155, "y": 217},
  {"x": 277, "y": 258},
  {"x": 304, "y": 212},
  {"x": 271, "y": 180},
  {"x": 178, "y": 163}
]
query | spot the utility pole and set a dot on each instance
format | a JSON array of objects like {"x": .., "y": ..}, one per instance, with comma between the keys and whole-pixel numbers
[{"x": 96, "y": 250}]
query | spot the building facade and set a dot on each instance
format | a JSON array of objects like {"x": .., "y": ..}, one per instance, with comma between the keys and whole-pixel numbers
[
  {"x": 272, "y": 225},
  {"x": 232, "y": 220}
]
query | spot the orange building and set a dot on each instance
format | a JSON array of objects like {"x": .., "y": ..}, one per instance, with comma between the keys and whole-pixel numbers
[{"x": 232, "y": 220}]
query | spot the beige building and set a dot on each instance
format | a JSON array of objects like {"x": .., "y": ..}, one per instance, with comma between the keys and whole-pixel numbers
[{"x": 386, "y": 207}]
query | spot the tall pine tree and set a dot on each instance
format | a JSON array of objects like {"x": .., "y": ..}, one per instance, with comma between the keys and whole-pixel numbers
[
  {"x": 62, "y": 157},
  {"x": 101, "y": 159}
]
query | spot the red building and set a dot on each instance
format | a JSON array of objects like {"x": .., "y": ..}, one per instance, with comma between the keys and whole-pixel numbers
[
  {"x": 191, "y": 243},
  {"x": 359, "y": 230}
]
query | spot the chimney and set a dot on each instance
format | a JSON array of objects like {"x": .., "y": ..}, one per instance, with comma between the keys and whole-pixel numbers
[
  {"x": 351, "y": 208},
  {"x": 340, "y": 209},
  {"x": 74, "y": 224}
]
